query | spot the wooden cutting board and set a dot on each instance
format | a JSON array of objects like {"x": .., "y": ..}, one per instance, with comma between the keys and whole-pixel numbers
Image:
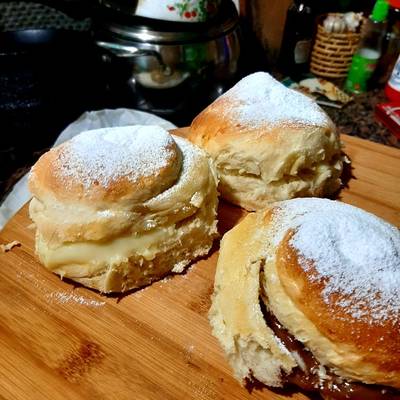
[{"x": 59, "y": 341}]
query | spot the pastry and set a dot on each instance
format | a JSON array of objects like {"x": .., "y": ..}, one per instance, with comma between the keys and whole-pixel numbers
[
  {"x": 269, "y": 143},
  {"x": 307, "y": 292},
  {"x": 118, "y": 208}
]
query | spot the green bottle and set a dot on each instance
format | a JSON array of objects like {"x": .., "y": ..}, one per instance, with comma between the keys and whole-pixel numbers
[{"x": 366, "y": 58}]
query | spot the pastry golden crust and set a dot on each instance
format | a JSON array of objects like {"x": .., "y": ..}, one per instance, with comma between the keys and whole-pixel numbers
[
  {"x": 329, "y": 273},
  {"x": 118, "y": 208},
  {"x": 376, "y": 344},
  {"x": 269, "y": 143},
  {"x": 131, "y": 186}
]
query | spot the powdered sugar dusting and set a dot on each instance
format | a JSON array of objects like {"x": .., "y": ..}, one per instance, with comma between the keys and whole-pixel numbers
[
  {"x": 265, "y": 100},
  {"x": 355, "y": 254},
  {"x": 63, "y": 297},
  {"x": 102, "y": 156}
]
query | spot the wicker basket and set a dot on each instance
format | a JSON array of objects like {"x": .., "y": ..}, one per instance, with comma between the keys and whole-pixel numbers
[{"x": 332, "y": 53}]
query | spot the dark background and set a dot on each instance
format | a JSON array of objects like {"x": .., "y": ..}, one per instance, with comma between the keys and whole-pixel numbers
[{"x": 46, "y": 82}]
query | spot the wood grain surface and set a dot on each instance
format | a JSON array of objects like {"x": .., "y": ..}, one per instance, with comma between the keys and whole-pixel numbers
[{"x": 60, "y": 341}]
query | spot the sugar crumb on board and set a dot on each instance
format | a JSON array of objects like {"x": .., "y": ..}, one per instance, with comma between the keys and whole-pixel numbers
[
  {"x": 5, "y": 248},
  {"x": 64, "y": 297}
]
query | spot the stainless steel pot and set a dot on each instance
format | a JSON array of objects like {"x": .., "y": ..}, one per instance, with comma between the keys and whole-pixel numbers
[{"x": 161, "y": 57}]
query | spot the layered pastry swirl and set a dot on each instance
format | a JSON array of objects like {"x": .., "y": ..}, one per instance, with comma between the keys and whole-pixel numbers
[
  {"x": 308, "y": 293},
  {"x": 117, "y": 208},
  {"x": 269, "y": 143}
]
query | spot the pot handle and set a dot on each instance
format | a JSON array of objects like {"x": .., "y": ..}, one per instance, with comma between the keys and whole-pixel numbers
[{"x": 125, "y": 51}]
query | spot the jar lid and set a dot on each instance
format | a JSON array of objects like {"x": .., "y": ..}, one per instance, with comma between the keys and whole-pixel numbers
[{"x": 380, "y": 11}]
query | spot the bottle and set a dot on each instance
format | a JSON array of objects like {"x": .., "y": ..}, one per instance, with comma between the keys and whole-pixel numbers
[
  {"x": 390, "y": 45},
  {"x": 366, "y": 58},
  {"x": 297, "y": 37},
  {"x": 392, "y": 88}
]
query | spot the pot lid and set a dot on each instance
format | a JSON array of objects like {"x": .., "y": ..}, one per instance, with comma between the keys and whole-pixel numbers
[{"x": 142, "y": 29}]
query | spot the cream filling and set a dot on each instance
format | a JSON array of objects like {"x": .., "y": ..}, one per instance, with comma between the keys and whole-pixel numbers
[
  {"x": 68, "y": 258},
  {"x": 145, "y": 245}
]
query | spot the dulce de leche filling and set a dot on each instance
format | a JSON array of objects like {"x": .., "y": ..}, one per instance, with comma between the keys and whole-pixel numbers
[{"x": 313, "y": 377}]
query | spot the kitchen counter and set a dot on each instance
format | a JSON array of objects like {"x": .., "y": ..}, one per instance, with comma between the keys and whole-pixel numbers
[{"x": 357, "y": 119}]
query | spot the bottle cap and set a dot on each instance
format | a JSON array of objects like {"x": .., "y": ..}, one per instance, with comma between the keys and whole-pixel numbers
[
  {"x": 380, "y": 11},
  {"x": 394, "y": 3}
]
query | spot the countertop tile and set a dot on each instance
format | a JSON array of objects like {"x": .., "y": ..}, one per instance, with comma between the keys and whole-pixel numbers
[{"x": 358, "y": 119}]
